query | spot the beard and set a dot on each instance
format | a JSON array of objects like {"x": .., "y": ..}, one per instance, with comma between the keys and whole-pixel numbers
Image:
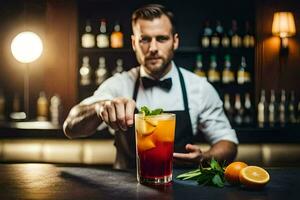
[{"x": 155, "y": 65}]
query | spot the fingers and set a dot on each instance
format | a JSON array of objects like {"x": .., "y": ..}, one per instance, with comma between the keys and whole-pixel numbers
[
  {"x": 117, "y": 113},
  {"x": 120, "y": 114},
  {"x": 192, "y": 148},
  {"x": 130, "y": 107},
  {"x": 183, "y": 156},
  {"x": 194, "y": 154}
]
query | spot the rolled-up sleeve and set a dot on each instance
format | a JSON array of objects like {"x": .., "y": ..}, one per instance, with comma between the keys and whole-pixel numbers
[
  {"x": 106, "y": 91},
  {"x": 213, "y": 122}
]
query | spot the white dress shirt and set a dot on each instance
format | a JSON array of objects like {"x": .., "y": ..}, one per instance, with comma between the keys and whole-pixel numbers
[{"x": 205, "y": 107}]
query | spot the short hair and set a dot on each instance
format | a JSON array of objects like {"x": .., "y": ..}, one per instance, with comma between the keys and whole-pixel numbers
[{"x": 152, "y": 11}]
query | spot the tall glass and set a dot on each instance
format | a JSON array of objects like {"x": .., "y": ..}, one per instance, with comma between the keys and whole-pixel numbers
[{"x": 154, "y": 147}]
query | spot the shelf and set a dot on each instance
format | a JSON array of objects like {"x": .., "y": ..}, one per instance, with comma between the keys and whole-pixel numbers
[{"x": 105, "y": 50}]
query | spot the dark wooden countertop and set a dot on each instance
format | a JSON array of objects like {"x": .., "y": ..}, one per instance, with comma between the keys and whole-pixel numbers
[{"x": 47, "y": 181}]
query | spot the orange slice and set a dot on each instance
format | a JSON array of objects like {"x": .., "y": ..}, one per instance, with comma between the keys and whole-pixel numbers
[
  {"x": 165, "y": 131},
  {"x": 145, "y": 142},
  {"x": 146, "y": 126},
  {"x": 254, "y": 177}
]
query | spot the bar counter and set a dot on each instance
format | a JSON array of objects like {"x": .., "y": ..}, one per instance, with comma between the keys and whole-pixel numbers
[{"x": 48, "y": 181}]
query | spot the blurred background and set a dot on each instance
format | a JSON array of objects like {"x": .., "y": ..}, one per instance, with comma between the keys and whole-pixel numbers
[{"x": 249, "y": 50}]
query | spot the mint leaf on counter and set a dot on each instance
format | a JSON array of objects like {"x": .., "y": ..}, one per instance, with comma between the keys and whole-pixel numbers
[{"x": 213, "y": 175}]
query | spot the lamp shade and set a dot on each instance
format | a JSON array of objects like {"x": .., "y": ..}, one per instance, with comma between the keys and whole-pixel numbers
[
  {"x": 26, "y": 47},
  {"x": 283, "y": 24}
]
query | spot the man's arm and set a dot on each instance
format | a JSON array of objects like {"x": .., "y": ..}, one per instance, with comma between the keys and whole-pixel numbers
[
  {"x": 82, "y": 121},
  {"x": 221, "y": 151}
]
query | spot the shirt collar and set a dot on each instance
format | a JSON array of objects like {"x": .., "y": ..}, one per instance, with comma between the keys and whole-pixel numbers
[{"x": 170, "y": 74}]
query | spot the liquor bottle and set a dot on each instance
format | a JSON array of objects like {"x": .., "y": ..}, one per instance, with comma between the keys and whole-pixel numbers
[
  {"x": 119, "y": 67},
  {"x": 273, "y": 109},
  {"x": 199, "y": 66},
  {"x": 116, "y": 37},
  {"x": 238, "y": 110},
  {"x": 291, "y": 108},
  {"x": 262, "y": 110},
  {"x": 42, "y": 107},
  {"x": 213, "y": 73},
  {"x": 282, "y": 109},
  {"x": 101, "y": 72},
  {"x": 2, "y": 105},
  {"x": 236, "y": 40},
  {"x": 243, "y": 75},
  {"x": 227, "y": 107},
  {"x": 206, "y": 36},
  {"x": 56, "y": 110},
  {"x": 88, "y": 39},
  {"x": 248, "y": 113},
  {"x": 102, "y": 37},
  {"x": 85, "y": 71},
  {"x": 217, "y": 35},
  {"x": 227, "y": 74},
  {"x": 225, "y": 41},
  {"x": 248, "y": 39}
]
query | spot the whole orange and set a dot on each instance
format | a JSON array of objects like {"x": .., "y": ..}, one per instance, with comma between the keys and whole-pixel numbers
[{"x": 232, "y": 172}]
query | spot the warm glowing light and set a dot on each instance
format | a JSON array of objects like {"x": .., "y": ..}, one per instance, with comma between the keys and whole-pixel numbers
[
  {"x": 283, "y": 24},
  {"x": 26, "y": 47}
]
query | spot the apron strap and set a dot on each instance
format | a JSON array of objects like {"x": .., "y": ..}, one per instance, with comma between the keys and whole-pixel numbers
[{"x": 183, "y": 89}]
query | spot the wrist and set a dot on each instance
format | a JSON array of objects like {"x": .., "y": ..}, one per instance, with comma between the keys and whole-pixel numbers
[{"x": 205, "y": 158}]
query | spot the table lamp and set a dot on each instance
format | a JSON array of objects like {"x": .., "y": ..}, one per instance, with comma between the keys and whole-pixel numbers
[
  {"x": 26, "y": 47},
  {"x": 283, "y": 26}
]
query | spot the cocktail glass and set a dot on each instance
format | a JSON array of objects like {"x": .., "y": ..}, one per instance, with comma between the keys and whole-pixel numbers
[{"x": 154, "y": 147}]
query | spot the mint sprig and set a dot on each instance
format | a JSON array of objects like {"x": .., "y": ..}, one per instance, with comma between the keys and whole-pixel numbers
[
  {"x": 148, "y": 112},
  {"x": 213, "y": 175}
]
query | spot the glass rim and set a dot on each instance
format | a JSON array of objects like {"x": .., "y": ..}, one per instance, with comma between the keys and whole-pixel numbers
[{"x": 169, "y": 115}]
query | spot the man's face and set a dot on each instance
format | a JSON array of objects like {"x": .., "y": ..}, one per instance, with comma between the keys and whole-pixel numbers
[{"x": 154, "y": 45}]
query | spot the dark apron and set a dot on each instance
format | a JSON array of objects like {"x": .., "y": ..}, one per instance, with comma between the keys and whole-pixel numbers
[{"x": 125, "y": 142}]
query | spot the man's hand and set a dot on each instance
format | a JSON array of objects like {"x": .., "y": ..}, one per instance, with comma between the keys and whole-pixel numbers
[
  {"x": 193, "y": 156},
  {"x": 117, "y": 113},
  {"x": 221, "y": 151}
]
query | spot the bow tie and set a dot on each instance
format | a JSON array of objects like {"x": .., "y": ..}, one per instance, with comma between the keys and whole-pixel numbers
[{"x": 164, "y": 84}]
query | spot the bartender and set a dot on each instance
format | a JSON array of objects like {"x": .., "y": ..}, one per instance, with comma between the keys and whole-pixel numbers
[{"x": 157, "y": 83}]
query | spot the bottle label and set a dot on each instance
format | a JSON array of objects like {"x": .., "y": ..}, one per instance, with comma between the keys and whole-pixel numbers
[
  {"x": 116, "y": 40},
  {"x": 225, "y": 42},
  {"x": 236, "y": 41},
  {"x": 102, "y": 41},
  {"x": 88, "y": 40},
  {"x": 213, "y": 76},
  {"x": 243, "y": 77},
  {"x": 246, "y": 41},
  {"x": 228, "y": 76},
  {"x": 205, "y": 42},
  {"x": 215, "y": 41}
]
